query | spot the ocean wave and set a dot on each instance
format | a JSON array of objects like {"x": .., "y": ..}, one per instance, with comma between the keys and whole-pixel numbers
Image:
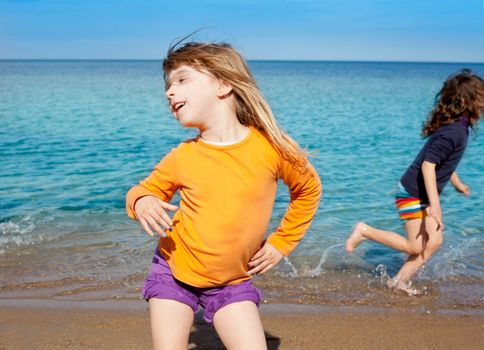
[{"x": 17, "y": 233}]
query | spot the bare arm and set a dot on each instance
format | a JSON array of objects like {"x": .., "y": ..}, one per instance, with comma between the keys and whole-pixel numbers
[
  {"x": 459, "y": 185},
  {"x": 428, "y": 171}
]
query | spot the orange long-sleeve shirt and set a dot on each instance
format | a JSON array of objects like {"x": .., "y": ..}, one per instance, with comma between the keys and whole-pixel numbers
[{"x": 227, "y": 195}]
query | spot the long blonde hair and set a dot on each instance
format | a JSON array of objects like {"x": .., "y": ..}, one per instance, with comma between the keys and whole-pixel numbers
[{"x": 252, "y": 109}]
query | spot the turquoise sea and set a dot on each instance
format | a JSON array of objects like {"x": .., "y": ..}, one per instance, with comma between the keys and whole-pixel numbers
[{"x": 76, "y": 135}]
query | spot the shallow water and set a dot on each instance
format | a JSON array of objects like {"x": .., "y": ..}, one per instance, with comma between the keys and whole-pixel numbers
[{"x": 77, "y": 134}]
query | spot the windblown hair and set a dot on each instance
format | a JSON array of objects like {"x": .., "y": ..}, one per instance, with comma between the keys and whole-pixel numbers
[
  {"x": 462, "y": 95},
  {"x": 225, "y": 63}
]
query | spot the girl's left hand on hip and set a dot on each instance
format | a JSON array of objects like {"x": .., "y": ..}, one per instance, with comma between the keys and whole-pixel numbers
[{"x": 265, "y": 259}]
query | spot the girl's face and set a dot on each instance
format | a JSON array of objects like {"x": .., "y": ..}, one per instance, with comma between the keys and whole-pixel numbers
[{"x": 193, "y": 96}]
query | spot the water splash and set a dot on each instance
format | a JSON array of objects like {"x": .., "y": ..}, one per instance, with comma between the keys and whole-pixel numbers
[
  {"x": 458, "y": 260},
  {"x": 316, "y": 272},
  {"x": 406, "y": 287},
  {"x": 287, "y": 269},
  {"x": 382, "y": 278},
  {"x": 381, "y": 274}
]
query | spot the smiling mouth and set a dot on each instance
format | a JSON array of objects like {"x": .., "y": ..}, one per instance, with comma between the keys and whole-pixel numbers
[{"x": 177, "y": 106}]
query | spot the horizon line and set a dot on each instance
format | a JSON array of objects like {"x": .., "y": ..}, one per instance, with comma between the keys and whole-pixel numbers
[{"x": 249, "y": 60}]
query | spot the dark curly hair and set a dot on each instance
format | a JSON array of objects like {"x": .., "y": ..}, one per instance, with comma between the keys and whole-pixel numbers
[{"x": 462, "y": 95}]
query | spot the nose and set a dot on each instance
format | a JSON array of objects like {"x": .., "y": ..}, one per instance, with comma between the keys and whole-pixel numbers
[{"x": 169, "y": 92}]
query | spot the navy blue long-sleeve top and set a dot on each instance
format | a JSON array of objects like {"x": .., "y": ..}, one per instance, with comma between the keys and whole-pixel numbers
[{"x": 444, "y": 148}]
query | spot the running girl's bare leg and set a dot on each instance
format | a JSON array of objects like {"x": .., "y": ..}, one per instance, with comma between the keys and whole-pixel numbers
[
  {"x": 171, "y": 322},
  {"x": 433, "y": 241},
  {"x": 239, "y": 326},
  {"x": 412, "y": 245}
]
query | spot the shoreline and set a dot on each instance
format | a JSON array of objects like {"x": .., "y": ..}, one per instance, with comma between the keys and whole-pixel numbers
[
  {"x": 349, "y": 289},
  {"x": 130, "y": 305},
  {"x": 55, "y": 324}
]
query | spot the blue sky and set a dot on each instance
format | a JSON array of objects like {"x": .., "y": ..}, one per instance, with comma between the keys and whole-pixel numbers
[{"x": 388, "y": 30}]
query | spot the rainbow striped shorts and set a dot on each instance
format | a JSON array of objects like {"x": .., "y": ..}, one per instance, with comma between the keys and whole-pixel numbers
[{"x": 409, "y": 207}]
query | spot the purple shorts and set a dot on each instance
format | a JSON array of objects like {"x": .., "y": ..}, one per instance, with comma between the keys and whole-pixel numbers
[{"x": 161, "y": 284}]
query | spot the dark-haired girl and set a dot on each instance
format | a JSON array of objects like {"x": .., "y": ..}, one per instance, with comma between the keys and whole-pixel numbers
[{"x": 459, "y": 105}]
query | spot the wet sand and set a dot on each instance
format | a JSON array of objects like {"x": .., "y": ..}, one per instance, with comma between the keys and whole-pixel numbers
[{"x": 47, "y": 324}]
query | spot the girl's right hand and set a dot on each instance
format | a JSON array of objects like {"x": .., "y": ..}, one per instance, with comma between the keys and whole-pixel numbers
[
  {"x": 464, "y": 189},
  {"x": 152, "y": 215},
  {"x": 435, "y": 212}
]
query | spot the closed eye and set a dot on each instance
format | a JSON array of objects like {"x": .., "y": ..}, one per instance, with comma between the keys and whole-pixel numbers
[{"x": 177, "y": 81}]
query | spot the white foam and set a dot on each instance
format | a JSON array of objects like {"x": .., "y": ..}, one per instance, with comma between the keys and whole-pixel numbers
[{"x": 17, "y": 233}]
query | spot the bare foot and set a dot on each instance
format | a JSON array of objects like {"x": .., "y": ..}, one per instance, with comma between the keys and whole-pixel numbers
[
  {"x": 357, "y": 236},
  {"x": 395, "y": 283}
]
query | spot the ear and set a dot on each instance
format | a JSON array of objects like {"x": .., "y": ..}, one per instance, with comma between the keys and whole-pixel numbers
[{"x": 224, "y": 89}]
